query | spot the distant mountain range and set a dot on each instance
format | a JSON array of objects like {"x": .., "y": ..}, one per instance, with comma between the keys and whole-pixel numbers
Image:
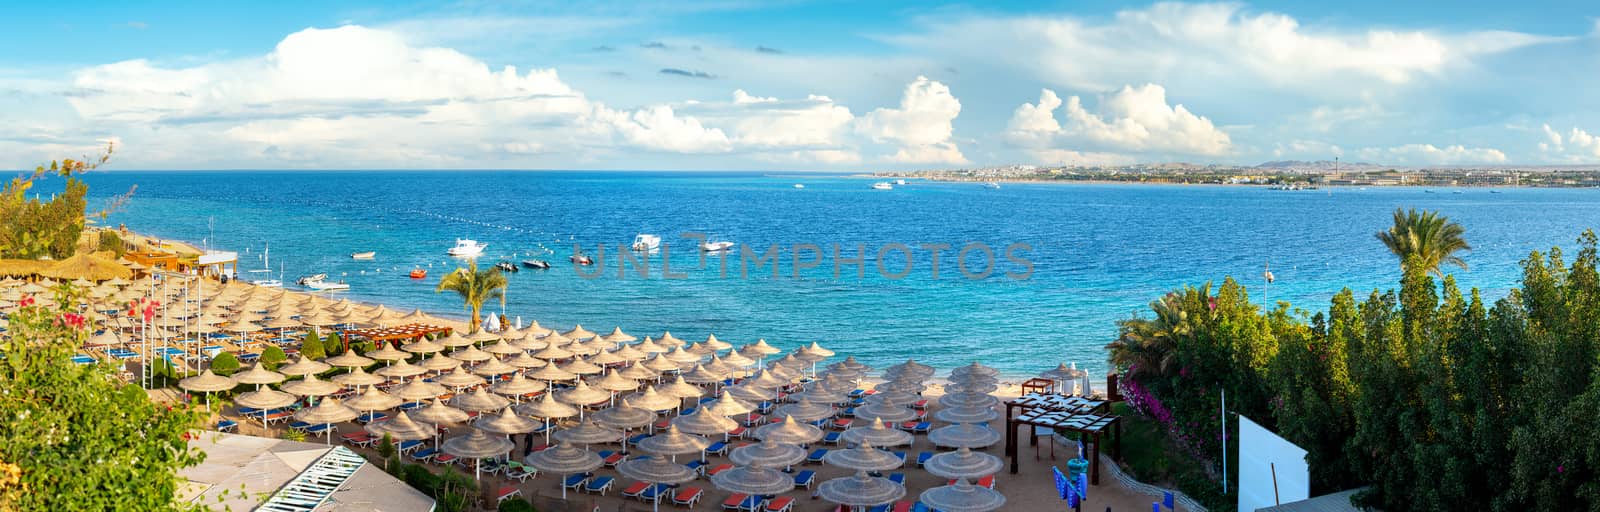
[{"x": 1319, "y": 166}]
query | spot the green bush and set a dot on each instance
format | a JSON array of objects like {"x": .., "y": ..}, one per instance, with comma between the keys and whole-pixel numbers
[
  {"x": 295, "y": 435},
  {"x": 272, "y": 356},
  {"x": 312, "y": 347},
  {"x": 110, "y": 241},
  {"x": 516, "y": 505},
  {"x": 332, "y": 345},
  {"x": 225, "y": 364}
]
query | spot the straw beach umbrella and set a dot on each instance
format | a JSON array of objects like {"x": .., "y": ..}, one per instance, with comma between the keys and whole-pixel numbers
[
  {"x": 860, "y": 490},
  {"x": 310, "y": 386},
  {"x": 617, "y": 336},
  {"x": 358, "y": 377},
  {"x": 525, "y": 361},
  {"x": 386, "y": 352},
  {"x": 968, "y": 400},
  {"x": 638, "y": 372},
  {"x": 657, "y": 470},
  {"x": 517, "y": 387},
  {"x": 769, "y": 453},
  {"x": 492, "y": 368},
  {"x": 587, "y": 432},
  {"x": 582, "y": 395},
  {"x": 661, "y": 364},
  {"x": 402, "y": 428},
  {"x": 963, "y": 463},
  {"x": 673, "y": 442},
  {"x": 863, "y": 458},
  {"x": 885, "y": 411},
  {"x": 258, "y": 375},
  {"x": 460, "y": 378},
  {"x": 962, "y": 496},
  {"x": 668, "y": 340},
  {"x": 757, "y": 479},
  {"x": 965, "y": 435},
  {"x": 374, "y": 399},
  {"x": 417, "y": 390},
  {"x": 806, "y": 410},
  {"x": 789, "y": 431},
  {"x": 265, "y": 400},
  {"x": 650, "y": 399},
  {"x": 506, "y": 422},
  {"x": 703, "y": 423},
  {"x": 438, "y": 363},
  {"x": 477, "y": 446},
  {"x": 400, "y": 370},
  {"x": 439, "y": 413},
  {"x": 479, "y": 401},
  {"x": 727, "y": 405},
  {"x": 550, "y": 373},
  {"x": 649, "y": 346},
  {"x": 546, "y": 408},
  {"x": 625, "y": 417},
  {"x": 207, "y": 383},
  {"x": 878, "y": 435},
  {"x": 329, "y": 412},
  {"x": 564, "y": 459},
  {"x": 966, "y": 415},
  {"x": 349, "y": 360},
  {"x": 303, "y": 366},
  {"x": 579, "y": 333},
  {"x": 581, "y": 366}
]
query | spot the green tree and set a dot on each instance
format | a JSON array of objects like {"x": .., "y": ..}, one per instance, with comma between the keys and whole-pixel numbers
[
  {"x": 273, "y": 355},
  {"x": 31, "y": 229},
  {"x": 311, "y": 347},
  {"x": 475, "y": 287},
  {"x": 110, "y": 241},
  {"x": 75, "y": 437},
  {"x": 1428, "y": 236},
  {"x": 224, "y": 364},
  {"x": 333, "y": 345}
]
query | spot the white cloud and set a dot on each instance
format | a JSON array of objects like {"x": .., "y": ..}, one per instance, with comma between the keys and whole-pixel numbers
[
  {"x": 1425, "y": 154},
  {"x": 1209, "y": 42},
  {"x": 1577, "y": 146},
  {"x": 1079, "y": 158},
  {"x": 772, "y": 123},
  {"x": 922, "y": 126},
  {"x": 1131, "y": 119}
]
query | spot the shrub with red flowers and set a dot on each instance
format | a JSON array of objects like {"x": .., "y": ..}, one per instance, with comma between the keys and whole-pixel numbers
[{"x": 80, "y": 438}]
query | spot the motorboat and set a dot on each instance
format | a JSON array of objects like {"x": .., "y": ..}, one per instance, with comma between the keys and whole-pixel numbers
[
  {"x": 991, "y": 185},
  {"x": 899, "y": 182},
  {"x": 645, "y": 243},
  {"x": 266, "y": 270},
  {"x": 506, "y": 266},
  {"x": 709, "y": 246},
  {"x": 580, "y": 259},
  {"x": 799, "y": 185},
  {"x": 419, "y": 273},
  {"x": 538, "y": 264},
  {"x": 319, "y": 282},
  {"x": 882, "y": 185},
  {"x": 466, "y": 248},
  {"x": 363, "y": 255}
]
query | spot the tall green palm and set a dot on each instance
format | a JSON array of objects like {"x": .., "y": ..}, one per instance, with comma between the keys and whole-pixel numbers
[
  {"x": 475, "y": 287},
  {"x": 1149, "y": 346},
  {"x": 1431, "y": 237}
]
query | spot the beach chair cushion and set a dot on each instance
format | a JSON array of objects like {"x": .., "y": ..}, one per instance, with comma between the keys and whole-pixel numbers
[
  {"x": 833, "y": 437},
  {"x": 635, "y": 489},
  {"x": 688, "y": 496},
  {"x": 733, "y": 501},
  {"x": 751, "y": 504},
  {"x": 717, "y": 448},
  {"x": 424, "y": 454},
  {"x": 226, "y": 425},
  {"x": 922, "y": 458},
  {"x": 899, "y": 478},
  {"x": 600, "y": 484},
  {"x": 720, "y": 468},
  {"x": 444, "y": 458},
  {"x": 816, "y": 455},
  {"x": 505, "y": 493},
  {"x": 781, "y": 504},
  {"x": 805, "y": 478},
  {"x": 575, "y": 481}
]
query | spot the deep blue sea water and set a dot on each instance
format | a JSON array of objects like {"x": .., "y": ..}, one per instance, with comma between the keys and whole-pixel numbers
[{"x": 1099, "y": 252}]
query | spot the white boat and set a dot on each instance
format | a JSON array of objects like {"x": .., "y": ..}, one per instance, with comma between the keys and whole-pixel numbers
[
  {"x": 465, "y": 247},
  {"x": 799, "y": 185},
  {"x": 709, "y": 246},
  {"x": 323, "y": 286},
  {"x": 265, "y": 271},
  {"x": 363, "y": 255},
  {"x": 645, "y": 243},
  {"x": 899, "y": 182},
  {"x": 882, "y": 185},
  {"x": 991, "y": 185}
]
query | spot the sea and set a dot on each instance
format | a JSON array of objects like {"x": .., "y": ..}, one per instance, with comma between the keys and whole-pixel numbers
[{"x": 1030, "y": 274}]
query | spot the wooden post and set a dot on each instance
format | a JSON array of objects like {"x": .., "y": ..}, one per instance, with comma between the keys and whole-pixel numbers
[{"x": 1011, "y": 439}]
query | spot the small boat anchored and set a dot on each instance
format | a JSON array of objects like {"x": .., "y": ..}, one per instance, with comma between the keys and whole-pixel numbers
[
  {"x": 882, "y": 185},
  {"x": 645, "y": 243},
  {"x": 419, "y": 273},
  {"x": 363, "y": 255},
  {"x": 466, "y": 248},
  {"x": 991, "y": 185},
  {"x": 710, "y": 246},
  {"x": 537, "y": 264},
  {"x": 319, "y": 282},
  {"x": 799, "y": 185},
  {"x": 506, "y": 266},
  {"x": 580, "y": 259}
]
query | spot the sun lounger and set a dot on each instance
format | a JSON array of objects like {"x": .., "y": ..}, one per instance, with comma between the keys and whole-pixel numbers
[
  {"x": 406, "y": 446},
  {"x": 372, "y": 416},
  {"x": 805, "y": 478},
  {"x": 717, "y": 448},
  {"x": 843, "y": 423},
  {"x": 634, "y": 441},
  {"x": 688, "y": 496},
  {"x": 227, "y": 425},
  {"x": 738, "y": 432},
  {"x": 635, "y": 489},
  {"x": 611, "y": 460},
  {"x": 733, "y": 501},
  {"x": 576, "y": 482},
  {"x": 424, "y": 454},
  {"x": 720, "y": 468},
  {"x": 816, "y": 455},
  {"x": 444, "y": 459},
  {"x": 654, "y": 492},
  {"x": 362, "y": 439},
  {"x": 697, "y": 466},
  {"x": 987, "y": 481},
  {"x": 781, "y": 504},
  {"x": 299, "y": 425},
  {"x": 688, "y": 411},
  {"x": 599, "y": 485},
  {"x": 519, "y": 471},
  {"x": 902, "y": 456},
  {"x": 899, "y": 478},
  {"x": 752, "y": 504},
  {"x": 920, "y": 404},
  {"x": 506, "y": 493},
  {"x": 922, "y": 458},
  {"x": 832, "y": 437},
  {"x": 82, "y": 359},
  {"x": 322, "y": 429}
]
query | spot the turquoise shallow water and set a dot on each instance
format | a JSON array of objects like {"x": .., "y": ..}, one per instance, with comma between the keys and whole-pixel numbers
[{"x": 1099, "y": 252}]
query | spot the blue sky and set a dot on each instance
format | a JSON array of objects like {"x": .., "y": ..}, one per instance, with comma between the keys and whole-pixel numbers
[{"x": 798, "y": 85}]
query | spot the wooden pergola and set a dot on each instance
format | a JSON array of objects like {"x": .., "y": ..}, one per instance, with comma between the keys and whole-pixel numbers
[
  {"x": 397, "y": 333},
  {"x": 1071, "y": 413}
]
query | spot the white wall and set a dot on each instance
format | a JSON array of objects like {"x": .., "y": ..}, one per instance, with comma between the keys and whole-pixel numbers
[{"x": 1261, "y": 454}]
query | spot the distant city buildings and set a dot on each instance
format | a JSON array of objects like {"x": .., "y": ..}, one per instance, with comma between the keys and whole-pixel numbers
[{"x": 1287, "y": 173}]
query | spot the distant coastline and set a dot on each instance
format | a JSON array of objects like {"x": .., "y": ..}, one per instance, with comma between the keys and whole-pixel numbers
[{"x": 1297, "y": 177}]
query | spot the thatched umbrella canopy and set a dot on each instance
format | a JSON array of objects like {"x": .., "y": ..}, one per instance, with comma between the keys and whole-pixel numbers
[
  {"x": 506, "y": 422},
  {"x": 311, "y": 386},
  {"x": 480, "y": 401},
  {"x": 438, "y": 412},
  {"x": 768, "y": 452},
  {"x": 860, "y": 490},
  {"x": 878, "y": 435},
  {"x": 207, "y": 382},
  {"x": 88, "y": 266},
  {"x": 374, "y": 399},
  {"x": 965, "y": 435},
  {"x": 564, "y": 459},
  {"x": 460, "y": 378},
  {"x": 962, "y": 497},
  {"x": 402, "y": 428},
  {"x": 624, "y": 416},
  {"x": 477, "y": 445},
  {"x": 704, "y": 423},
  {"x": 789, "y": 431},
  {"x": 755, "y": 479},
  {"x": 964, "y": 463},
  {"x": 357, "y": 377},
  {"x": 588, "y": 432}
]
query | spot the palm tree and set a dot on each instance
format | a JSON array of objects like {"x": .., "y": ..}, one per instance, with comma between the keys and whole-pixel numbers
[
  {"x": 475, "y": 287},
  {"x": 1149, "y": 346},
  {"x": 1428, "y": 236}
]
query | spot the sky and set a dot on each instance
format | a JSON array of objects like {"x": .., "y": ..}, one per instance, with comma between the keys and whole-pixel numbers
[{"x": 797, "y": 85}]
